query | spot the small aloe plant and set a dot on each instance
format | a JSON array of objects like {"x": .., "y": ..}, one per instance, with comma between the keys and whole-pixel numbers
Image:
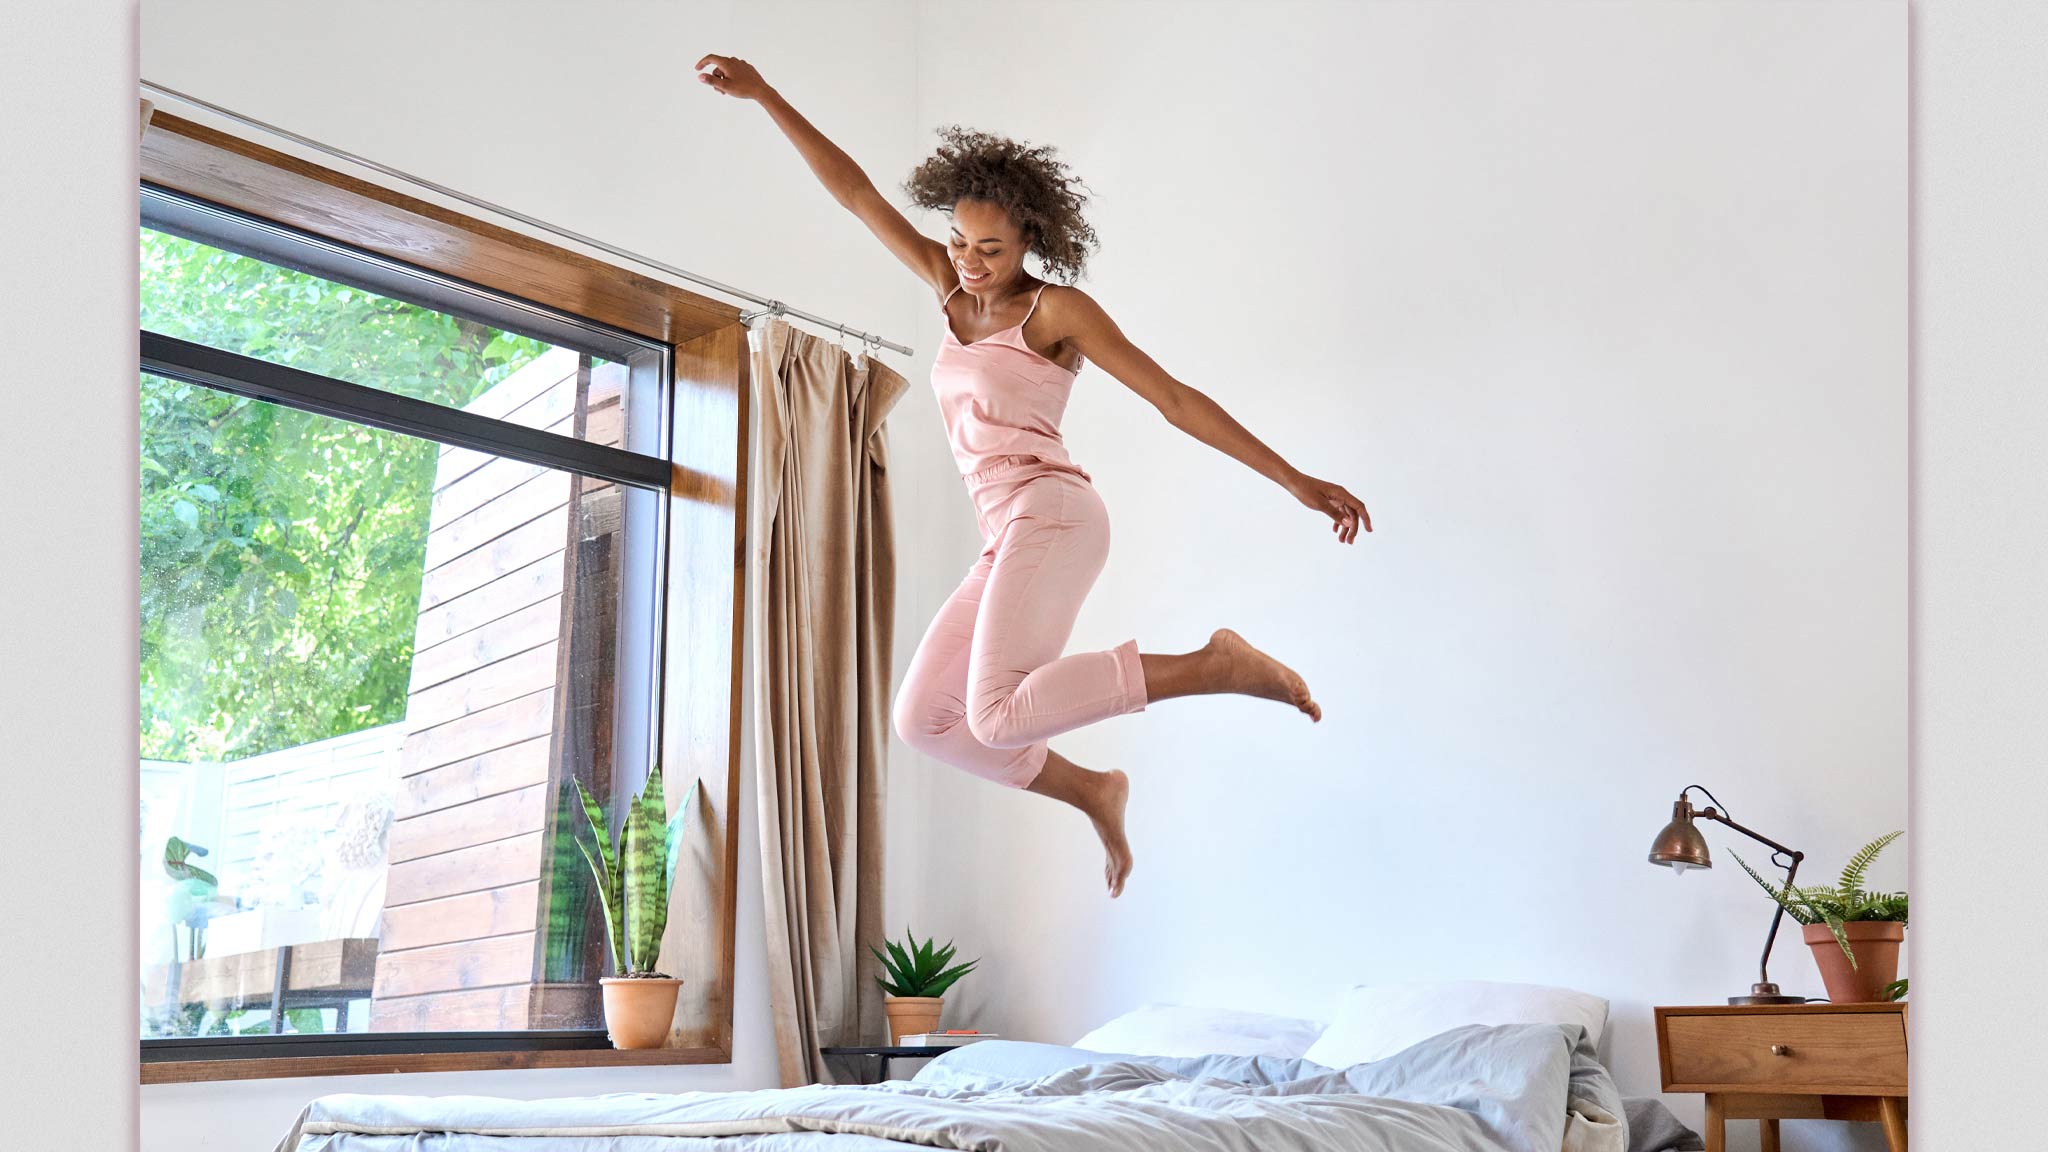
[
  {"x": 634, "y": 875},
  {"x": 1842, "y": 903},
  {"x": 919, "y": 969}
]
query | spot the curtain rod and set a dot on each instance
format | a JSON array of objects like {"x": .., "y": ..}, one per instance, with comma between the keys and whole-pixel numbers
[{"x": 771, "y": 307}]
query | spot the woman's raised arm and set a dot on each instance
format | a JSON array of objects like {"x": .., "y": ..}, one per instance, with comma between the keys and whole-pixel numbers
[
  {"x": 1072, "y": 314},
  {"x": 836, "y": 171}
]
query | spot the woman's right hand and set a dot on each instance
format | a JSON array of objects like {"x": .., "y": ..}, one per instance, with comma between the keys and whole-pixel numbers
[{"x": 732, "y": 76}]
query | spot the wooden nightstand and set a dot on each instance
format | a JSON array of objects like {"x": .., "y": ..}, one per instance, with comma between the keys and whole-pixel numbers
[{"x": 1790, "y": 1062}]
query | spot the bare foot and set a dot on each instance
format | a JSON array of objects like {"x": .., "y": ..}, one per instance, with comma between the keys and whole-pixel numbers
[
  {"x": 1106, "y": 812},
  {"x": 1253, "y": 673},
  {"x": 1100, "y": 796}
]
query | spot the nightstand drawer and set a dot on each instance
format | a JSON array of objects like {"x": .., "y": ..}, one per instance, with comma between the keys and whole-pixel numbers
[{"x": 1846, "y": 1053}]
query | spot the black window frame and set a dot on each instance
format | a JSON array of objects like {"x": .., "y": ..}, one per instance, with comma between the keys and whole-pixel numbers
[{"x": 652, "y": 392}]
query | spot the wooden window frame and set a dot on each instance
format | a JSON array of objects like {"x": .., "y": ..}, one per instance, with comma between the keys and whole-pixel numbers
[{"x": 707, "y": 549}]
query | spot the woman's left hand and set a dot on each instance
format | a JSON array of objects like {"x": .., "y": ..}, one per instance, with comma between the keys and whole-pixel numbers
[{"x": 1346, "y": 512}]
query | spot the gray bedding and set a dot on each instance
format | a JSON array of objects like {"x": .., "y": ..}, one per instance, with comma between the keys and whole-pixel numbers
[
  {"x": 1651, "y": 1126},
  {"x": 1514, "y": 1088}
]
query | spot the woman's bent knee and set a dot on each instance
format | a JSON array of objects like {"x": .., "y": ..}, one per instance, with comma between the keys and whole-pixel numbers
[
  {"x": 911, "y": 718},
  {"x": 993, "y": 727}
]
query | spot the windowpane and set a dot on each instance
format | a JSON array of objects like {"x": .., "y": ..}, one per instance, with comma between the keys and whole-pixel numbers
[
  {"x": 240, "y": 303},
  {"x": 370, "y": 666}
]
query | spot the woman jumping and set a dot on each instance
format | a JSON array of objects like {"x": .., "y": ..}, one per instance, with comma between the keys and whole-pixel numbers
[{"x": 989, "y": 683}]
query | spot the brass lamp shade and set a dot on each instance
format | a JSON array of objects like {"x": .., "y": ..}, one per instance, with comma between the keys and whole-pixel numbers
[{"x": 1680, "y": 844}]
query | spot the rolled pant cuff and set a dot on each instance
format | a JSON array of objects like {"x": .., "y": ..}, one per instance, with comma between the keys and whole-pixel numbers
[
  {"x": 1025, "y": 769},
  {"x": 1131, "y": 673}
]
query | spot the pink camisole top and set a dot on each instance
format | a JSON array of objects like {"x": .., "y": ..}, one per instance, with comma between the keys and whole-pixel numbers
[{"x": 999, "y": 398}]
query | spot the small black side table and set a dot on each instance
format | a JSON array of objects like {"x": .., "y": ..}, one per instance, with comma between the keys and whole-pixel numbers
[{"x": 890, "y": 1052}]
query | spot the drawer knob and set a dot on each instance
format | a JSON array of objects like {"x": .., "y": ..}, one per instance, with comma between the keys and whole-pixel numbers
[{"x": 1781, "y": 1049}]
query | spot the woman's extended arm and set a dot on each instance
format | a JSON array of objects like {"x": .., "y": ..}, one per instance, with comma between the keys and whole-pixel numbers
[
  {"x": 1075, "y": 316},
  {"x": 836, "y": 171}
]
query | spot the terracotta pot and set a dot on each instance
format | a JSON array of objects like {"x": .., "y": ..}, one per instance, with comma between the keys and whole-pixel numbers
[
  {"x": 910, "y": 1015},
  {"x": 639, "y": 1009},
  {"x": 1876, "y": 944}
]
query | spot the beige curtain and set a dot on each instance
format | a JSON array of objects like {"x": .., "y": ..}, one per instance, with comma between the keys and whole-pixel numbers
[{"x": 822, "y": 582}]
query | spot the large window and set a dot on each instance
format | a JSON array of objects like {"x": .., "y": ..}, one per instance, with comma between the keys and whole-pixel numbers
[{"x": 401, "y": 572}]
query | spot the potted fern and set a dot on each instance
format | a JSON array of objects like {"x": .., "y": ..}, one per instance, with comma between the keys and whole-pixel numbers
[
  {"x": 1854, "y": 933},
  {"x": 918, "y": 977},
  {"x": 633, "y": 877}
]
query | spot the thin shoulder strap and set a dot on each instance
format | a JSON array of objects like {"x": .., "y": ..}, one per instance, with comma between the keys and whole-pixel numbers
[
  {"x": 949, "y": 298},
  {"x": 1034, "y": 306}
]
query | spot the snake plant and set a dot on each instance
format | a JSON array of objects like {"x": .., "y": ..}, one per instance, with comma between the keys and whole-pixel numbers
[
  {"x": 919, "y": 969},
  {"x": 634, "y": 874},
  {"x": 1842, "y": 903}
]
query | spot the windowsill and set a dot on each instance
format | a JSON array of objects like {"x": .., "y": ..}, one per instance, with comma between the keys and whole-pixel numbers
[{"x": 196, "y": 1071}]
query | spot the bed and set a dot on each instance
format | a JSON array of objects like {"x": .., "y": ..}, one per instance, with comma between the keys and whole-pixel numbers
[{"x": 1478, "y": 1088}]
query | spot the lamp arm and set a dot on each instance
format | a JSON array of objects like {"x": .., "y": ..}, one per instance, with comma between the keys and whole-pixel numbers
[
  {"x": 1763, "y": 965},
  {"x": 1716, "y": 814},
  {"x": 1791, "y": 870}
]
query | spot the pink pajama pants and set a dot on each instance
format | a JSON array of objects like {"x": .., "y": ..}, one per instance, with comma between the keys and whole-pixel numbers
[{"x": 988, "y": 685}]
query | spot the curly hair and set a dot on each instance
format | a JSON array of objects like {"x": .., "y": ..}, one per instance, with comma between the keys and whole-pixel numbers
[{"x": 1030, "y": 183}]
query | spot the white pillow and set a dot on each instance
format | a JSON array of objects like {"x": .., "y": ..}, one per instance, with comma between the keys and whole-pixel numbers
[
  {"x": 1375, "y": 1022},
  {"x": 1187, "y": 1030}
]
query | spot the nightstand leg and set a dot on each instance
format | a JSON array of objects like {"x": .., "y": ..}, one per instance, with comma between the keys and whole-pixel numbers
[
  {"x": 1717, "y": 1125},
  {"x": 1767, "y": 1133},
  {"x": 1892, "y": 1110}
]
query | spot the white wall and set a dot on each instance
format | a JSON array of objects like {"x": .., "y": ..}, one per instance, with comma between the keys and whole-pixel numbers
[
  {"x": 1980, "y": 568},
  {"x": 587, "y": 116},
  {"x": 67, "y": 602},
  {"x": 1602, "y": 310}
]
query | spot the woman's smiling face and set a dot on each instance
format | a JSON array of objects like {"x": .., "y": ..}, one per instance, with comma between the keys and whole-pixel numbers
[{"x": 986, "y": 247}]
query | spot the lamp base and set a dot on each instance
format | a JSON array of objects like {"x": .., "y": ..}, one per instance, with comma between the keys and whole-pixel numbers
[{"x": 1766, "y": 994}]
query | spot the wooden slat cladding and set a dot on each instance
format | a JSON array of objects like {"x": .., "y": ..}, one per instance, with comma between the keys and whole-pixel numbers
[
  {"x": 466, "y": 825},
  {"x": 492, "y": 601},
  {"x": 537, "y": 497},
  {"x": 501, "y": 557},
  {"x": 551, "y": 411},
  {"x": 499, "y": 770},
  {"x": 476, "y": 1010},
  {"x": 470, "y": 916},
  {"x": 514, "y": 860},
  {"x": 482, "y": 486},
  {"x": 535, "y": 1006},
  {"x": 508, "y": 399},
  {"x": 484, "y": 731},
  {"x": 499, "y": 682},
  {"x": 485, "y": 963},
  {"x": 458, "y": 463},
  {"x": 518, "y": 630},
  {"x": 211, "y": 165},
  {"x": 482, "y": 855}
]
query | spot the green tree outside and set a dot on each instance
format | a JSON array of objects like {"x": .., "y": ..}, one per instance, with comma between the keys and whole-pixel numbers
[{"x": 282, "y": 551}]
